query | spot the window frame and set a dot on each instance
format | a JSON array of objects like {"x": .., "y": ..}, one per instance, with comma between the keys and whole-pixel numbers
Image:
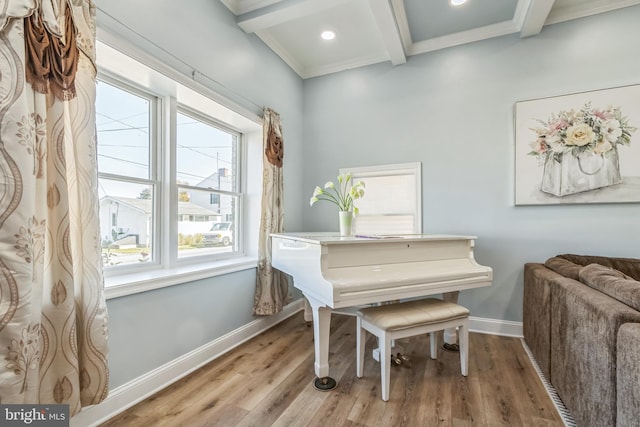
[
  {"x": 238, "y": 245},
  {"x": 167, "y": 269},
  {"x": 380, "y": 171},
  {"x": 154, "y": 180}
]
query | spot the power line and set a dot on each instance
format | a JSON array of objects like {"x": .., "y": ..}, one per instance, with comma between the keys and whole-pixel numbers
[
  {"x": 146, "y": 166},
  {"x": 115, "y": 120},
  {"x": 123, "y": 129},
  {"x": 118, "y": 121},
  {"x": 124, "y": 146},
  {"x": 123, "y": 160}
]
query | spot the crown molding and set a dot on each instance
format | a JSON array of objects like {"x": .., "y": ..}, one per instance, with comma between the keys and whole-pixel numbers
[
  {"x": 581, "y": 11},
  {"x": 464, "y": 37},
  {"x": 345, "y": 65}
]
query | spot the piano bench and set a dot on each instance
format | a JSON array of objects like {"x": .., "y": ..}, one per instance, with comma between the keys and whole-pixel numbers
[{"x": 407, "y": 319}]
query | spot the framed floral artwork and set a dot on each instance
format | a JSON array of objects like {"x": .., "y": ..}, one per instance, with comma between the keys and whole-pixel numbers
[{"x": 578, "y": 148}]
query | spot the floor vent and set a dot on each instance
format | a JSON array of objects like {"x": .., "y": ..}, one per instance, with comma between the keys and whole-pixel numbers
[{"x": 566, "y": 416}]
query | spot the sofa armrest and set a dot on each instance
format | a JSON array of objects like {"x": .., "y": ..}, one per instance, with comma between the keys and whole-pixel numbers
[
  {"x": 536, "y": 313},
  {"x": 628, "y": 375},
  {"x": 584, "y": 331}
]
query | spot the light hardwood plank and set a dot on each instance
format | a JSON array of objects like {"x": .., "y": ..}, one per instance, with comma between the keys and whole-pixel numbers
[{"x": 268, "y": 381}]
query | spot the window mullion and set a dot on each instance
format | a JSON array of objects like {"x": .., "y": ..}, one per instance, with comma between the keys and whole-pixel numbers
[{"x": 169, "y": 209}]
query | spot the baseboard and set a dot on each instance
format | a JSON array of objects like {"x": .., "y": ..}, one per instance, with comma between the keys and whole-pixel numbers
[
  {"x": 505, "y": 328},
  {"x": 127, "y": 395}
]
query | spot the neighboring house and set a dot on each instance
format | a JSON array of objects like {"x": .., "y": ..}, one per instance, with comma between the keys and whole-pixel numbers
[
  {"x": 128, "y": 221},
  {"x": 220, "y": 180}
]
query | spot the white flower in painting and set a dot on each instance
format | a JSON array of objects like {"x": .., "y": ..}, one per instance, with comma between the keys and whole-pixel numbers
[
  {"x": 554, "y": 141},
  {"x": 602, "y": 147},
  {"x": 611, "y": 130}
]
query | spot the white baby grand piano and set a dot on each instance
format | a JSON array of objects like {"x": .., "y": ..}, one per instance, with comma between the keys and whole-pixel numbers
[{"x": 335, "y": 272}]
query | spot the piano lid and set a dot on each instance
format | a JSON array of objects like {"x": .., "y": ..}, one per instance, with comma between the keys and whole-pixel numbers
[{"x": 326, "y": 238}]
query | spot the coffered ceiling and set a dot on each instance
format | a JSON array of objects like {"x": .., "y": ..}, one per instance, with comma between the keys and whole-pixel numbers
[{"x": 373, "y": 31}]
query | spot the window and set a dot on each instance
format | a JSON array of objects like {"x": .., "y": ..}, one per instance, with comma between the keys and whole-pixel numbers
[
  {"x": 393, "y": 199},
  {"x": 176, "y": 201},
  {"x": 206, "y": 159},
  {"x": 127, "y": 179}
]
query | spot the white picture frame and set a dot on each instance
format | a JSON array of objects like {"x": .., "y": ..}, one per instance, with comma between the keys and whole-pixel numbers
[{"x": 533, "y": 121}]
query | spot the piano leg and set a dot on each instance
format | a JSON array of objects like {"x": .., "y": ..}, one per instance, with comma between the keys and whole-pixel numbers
[
  {"x": 321, "y": 331},
  {"x": 451, "y": 335},
  {"x": 308, "y": 315}
]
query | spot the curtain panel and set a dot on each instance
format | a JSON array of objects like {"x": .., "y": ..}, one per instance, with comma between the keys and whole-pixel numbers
[
  {"x": 272, "y": 285},
  {"x": 53, "y": 317}
]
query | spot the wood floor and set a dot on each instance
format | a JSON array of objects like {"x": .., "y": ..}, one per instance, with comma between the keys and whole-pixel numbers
[{"x": 268, "y": 382}]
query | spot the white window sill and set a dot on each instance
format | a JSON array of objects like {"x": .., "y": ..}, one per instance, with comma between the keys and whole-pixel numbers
[{"x": 133, "y": 283}]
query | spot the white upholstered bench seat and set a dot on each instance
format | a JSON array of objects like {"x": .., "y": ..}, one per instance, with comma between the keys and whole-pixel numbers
[{"x": 406, "y": 319}]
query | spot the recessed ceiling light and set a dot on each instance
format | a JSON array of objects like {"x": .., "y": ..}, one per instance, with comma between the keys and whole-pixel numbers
[
  {"x": 328, "y": 35},
  {"x": 457, "y": 2}
]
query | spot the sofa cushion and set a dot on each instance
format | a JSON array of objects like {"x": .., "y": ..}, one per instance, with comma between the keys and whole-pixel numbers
[
  {"x": 564, "y": 267},
  {"x": 628, "y": 266},
  {"x": 613, "y": 283}
]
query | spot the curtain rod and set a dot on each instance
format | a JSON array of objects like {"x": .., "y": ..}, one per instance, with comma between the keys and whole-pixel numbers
[{"x": 194, "y": 71}]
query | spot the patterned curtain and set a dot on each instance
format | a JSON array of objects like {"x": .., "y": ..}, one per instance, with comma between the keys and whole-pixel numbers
[
  {"x": 272, "y": 287},
  {"x": 53, "y": 319}
]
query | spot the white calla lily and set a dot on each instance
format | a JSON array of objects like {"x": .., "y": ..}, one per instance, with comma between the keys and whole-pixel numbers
[{"x": 341, "y": 195}]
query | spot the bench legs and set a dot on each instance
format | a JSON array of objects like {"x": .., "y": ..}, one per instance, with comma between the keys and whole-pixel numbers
[
  {"x": 361, "y": 338},
  {"x": 463, "y": 340},
  {"x": 385, "y": 339}
]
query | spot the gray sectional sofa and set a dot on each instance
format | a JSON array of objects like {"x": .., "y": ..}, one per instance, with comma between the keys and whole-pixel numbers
[{"x": 581, "y": 321}]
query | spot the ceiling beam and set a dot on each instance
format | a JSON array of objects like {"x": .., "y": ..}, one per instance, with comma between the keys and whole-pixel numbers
[
  {"x": 238, "y": 7},
  {"x": 535, "y": 17},
  {"x": 386, "y": 21},
  {"x": 281, "y": 12}
]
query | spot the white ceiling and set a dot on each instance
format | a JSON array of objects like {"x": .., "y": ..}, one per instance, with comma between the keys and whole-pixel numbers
[{"x": 372, "y": 31}]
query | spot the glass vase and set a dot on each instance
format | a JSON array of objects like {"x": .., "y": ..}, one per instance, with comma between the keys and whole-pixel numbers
[{"x": 346, "y": 220}]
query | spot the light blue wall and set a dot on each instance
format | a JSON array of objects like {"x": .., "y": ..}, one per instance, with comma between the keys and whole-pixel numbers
[
  {"x": 150, "y": 329},
  {"x": 453, "y": 111}
]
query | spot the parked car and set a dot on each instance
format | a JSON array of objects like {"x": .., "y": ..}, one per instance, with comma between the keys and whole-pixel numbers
[{"x": 221, "y": 233}]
